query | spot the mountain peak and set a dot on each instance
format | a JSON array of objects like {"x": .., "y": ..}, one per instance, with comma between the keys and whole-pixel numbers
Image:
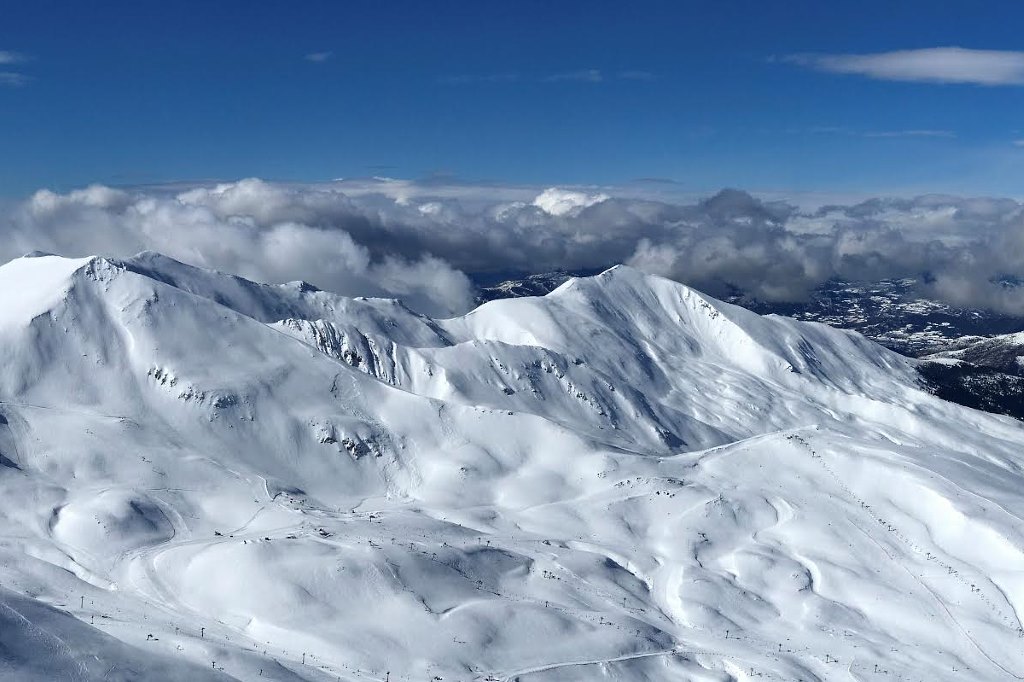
[{"x": 42, "y": 281}]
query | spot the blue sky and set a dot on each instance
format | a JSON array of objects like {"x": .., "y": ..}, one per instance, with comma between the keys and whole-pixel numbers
[{"x": 763, "y": 96}]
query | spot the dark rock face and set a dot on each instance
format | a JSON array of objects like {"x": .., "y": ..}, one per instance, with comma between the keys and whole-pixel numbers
[
  {"x": 1004, "y": 353},
  {"x": 525, "y": 285},
  {"x": 891, "y": 313},
  {"x": 982, "y": 388}
]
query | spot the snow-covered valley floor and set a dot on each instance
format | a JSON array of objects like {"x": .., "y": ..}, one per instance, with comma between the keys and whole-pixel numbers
[{"x": 206, "y": 478}]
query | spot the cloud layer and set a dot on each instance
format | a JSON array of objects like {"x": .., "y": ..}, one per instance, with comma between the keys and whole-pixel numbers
[
  {"x": 416, "y": 240},
  {"x": 936, "y": 65}
]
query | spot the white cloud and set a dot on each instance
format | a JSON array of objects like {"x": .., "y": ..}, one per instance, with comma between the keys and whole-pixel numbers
[
  {"x": 250, "y": 228},
  {"x": 1018, "y": 143},
  {"x": 319, "y": 57},
  {"x": 415, "y": 240},
  {"x": 935, "y": 65},
  {"x": 560, "y": 202}
]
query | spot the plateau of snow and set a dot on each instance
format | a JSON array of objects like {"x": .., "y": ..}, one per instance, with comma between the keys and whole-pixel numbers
[{"x": 202, "y": 477}]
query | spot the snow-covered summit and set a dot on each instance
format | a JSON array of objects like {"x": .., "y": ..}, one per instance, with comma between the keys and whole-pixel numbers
[{"x": 624, "y": 477}]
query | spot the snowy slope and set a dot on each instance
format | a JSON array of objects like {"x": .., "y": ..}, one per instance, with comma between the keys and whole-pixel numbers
[
  {"x": 890, "y": 311},
  {"x": 623, "y": 478}
]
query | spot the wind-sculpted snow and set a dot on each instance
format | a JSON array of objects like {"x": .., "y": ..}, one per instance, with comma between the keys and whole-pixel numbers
[{"x": 201, "y": 475}]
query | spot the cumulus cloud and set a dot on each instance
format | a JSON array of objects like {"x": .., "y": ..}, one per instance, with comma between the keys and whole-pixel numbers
[
  {"x": 935, "y": 65},
  {"x": 415, "y": 240},
  {"x": 251, "y": 228},
  {"x": 561, "y": 202}
]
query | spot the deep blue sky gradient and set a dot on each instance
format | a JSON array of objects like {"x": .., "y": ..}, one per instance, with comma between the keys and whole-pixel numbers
[{"x": 145, "y": 92}]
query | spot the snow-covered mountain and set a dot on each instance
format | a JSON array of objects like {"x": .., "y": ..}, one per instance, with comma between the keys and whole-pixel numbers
[
  {"x": 204, "y": 477},
  {"x": 985, "y": 373},
  {"x": 1003, "y": 352},
  {"x": 891, "y": 312}
]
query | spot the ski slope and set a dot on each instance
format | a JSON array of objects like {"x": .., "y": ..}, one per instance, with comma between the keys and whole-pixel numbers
[{"x": 202, "y": 477}]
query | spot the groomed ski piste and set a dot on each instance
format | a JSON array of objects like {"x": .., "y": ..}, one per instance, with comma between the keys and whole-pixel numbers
[{"x": 207, "y": 478}]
